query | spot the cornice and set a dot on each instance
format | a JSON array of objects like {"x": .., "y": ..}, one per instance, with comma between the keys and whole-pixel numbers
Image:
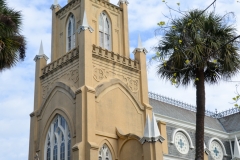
[
  {"x": 191, "y": 126},
  {"x": 114, "y": 58},
  {"x": 67, "y": 7},
  {"x": 60, "y": 62},
  {"x": 108, "y": 5}
]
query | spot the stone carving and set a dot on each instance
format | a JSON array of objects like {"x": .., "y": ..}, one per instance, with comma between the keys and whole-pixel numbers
[
  {"x": 70, "y": 78},
  {"x": 100, "y": 74}
]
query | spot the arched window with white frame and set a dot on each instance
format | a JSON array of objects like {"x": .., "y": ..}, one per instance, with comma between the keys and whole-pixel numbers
[
  {"x": 70, "y": 32},
  {"x": 104, "y": 31},
  {"x": 58, "y": 140},
  {"x": 104, "y": 153}
]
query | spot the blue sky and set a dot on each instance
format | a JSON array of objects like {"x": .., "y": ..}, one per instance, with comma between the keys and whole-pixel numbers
[{"x": 17, "y": 84}]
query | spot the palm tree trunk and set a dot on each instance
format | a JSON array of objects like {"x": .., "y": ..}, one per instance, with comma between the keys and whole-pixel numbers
[{"x": 200, "y": 100}]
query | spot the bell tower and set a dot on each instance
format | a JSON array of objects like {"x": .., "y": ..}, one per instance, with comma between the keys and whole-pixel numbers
[{"x": 91, "y": 100}]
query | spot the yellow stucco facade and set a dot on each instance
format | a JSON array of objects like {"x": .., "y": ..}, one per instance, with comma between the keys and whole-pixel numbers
[{"x": 102, "y": 94}]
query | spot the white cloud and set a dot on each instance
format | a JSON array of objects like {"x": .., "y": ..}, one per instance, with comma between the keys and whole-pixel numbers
[{"x": 17, "y": 84}]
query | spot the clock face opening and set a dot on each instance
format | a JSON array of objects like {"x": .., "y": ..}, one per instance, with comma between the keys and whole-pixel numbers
[
  {"x": 216, "y": 150},
  {"x": 181, "y": 142}
]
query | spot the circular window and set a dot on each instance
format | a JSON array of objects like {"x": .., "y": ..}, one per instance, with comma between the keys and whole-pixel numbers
[
  {"x": 181, "y": 143},
  {"x": 216, "y": 150}
]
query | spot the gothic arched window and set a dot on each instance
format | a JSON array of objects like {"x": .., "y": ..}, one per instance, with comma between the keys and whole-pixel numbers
[
  {"x": 104, "y": 31},
  {"x": 70, "y": 33},
  {"x": 104, "y": 153},
  {"x": 58, "y": 140}
]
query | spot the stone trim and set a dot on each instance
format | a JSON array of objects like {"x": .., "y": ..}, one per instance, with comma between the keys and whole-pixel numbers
[
  {"x": 67, "y": 7},
  {"x": 60, "y": 62},
  {"x": 185, "y": 133},
  {"x": 32, "y": 114},
  {"x": 60, "y": 85},
  {"x": 102, "y": 87},
  {"x": 108, "y": 5},
  {"x": 220, "y": 142},
  {"x": 114, "y": 58},
  {"x": 121, "y": 135}
]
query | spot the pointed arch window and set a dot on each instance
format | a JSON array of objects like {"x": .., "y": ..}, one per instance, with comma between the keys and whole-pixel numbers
[
  {"x": 104, "y": 153},
  {"x": 58, "y": 140},
  {"x": 104, "y": 31},
  {"x": 70, "y": 33}
]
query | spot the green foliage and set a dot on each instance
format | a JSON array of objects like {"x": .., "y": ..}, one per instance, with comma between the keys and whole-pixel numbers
[
  {"x": 12, "y": 43},
  {"x": 197, "y": 41}
]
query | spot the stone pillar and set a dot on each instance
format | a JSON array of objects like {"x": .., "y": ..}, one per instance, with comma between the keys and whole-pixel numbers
[
  {"x": 205, "y": 156},
  {"x": 54, "y": 56},
  {"x": 85, "y": 99},
  {"x": 163, "y": 131},
  {"x": 140, "y": 56},
  {"x": 123, "y": 4},
  {"x": 41, "y": 61},
  {"x": 152, "y": 151}
]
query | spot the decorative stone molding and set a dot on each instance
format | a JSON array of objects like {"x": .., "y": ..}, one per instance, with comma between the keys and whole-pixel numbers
[
  {"x": 83, "y": 28},
  {"x": 79, "y": 90},
  {"x": 108, "y": 5},
  {"x": 32, "y": 114},
  {"x": 123, "y": 1},
  {"x": 85, "y": 25},
  {"x": 55, "y": 6},
  {"x": 101, "y": 87},
  {"x": 114, "y": 58},
  {"x": 100, "y": 73},
  {"x": 67, "y": 8},
  {"x": 60, "y": 62},
  {"x": 151, "y": 131},
  {"x": 40, "y": 56},
  {"x": 121, "y": 135},
  {"x": 59, "y": 85},
  {"x": 71, "y": 78}
]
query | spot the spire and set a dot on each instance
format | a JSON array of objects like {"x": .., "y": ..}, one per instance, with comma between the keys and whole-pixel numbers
[
  {"x": 40, "y": 54},
  {"x": 154, "y": 127},
  {"x": 236, "y": 155},
  {"x": 55, "y": 5},
  {"x": 139, "y": 42},
  {"x": 55, "y": 2},
  {"x": 123, "y": 1},
  {"x": 84, "y": 22},
  {"x": 140, "y": 48},
  {"x": 206, "y": 149},
  {"x": 147, "y": 130},
  {"x": 151, "y": 131},
  {"x": 84, "y": 25}
]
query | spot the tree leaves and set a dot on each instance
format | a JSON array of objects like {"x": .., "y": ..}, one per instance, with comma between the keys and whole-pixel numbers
[{"x": 12, "y": 43}]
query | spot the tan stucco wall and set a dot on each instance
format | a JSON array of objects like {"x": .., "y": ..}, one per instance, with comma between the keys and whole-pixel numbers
[
  {"x": 115, "y": 108},
  {"x": 131, "y": 150},
  {"x": 99, "y": 94}
]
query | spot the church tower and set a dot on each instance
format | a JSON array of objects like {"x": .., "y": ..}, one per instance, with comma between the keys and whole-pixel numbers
[{"x": 91, "y": 101}]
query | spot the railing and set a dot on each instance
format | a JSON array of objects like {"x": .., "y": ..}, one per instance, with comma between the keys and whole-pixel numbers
[
  {"x": 60, "y": 62},
  {"x": 191, "y": 107},
  {"x": 226, "y": 113},
  {"x": 115, "y": 58}
]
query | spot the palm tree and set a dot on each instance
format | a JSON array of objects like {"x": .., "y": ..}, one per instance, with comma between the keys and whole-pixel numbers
[
  {"x": 12, "y": 43},
  {"x": 198, "y": 48}
]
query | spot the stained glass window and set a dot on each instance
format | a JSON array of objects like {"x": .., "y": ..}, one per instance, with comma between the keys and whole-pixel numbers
[
  {"x": 104, "y": 31},
  {"x": 104, "y": 153},
  {"x": 70, "y": 33},
  {"x": 60, "y": 138}
]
